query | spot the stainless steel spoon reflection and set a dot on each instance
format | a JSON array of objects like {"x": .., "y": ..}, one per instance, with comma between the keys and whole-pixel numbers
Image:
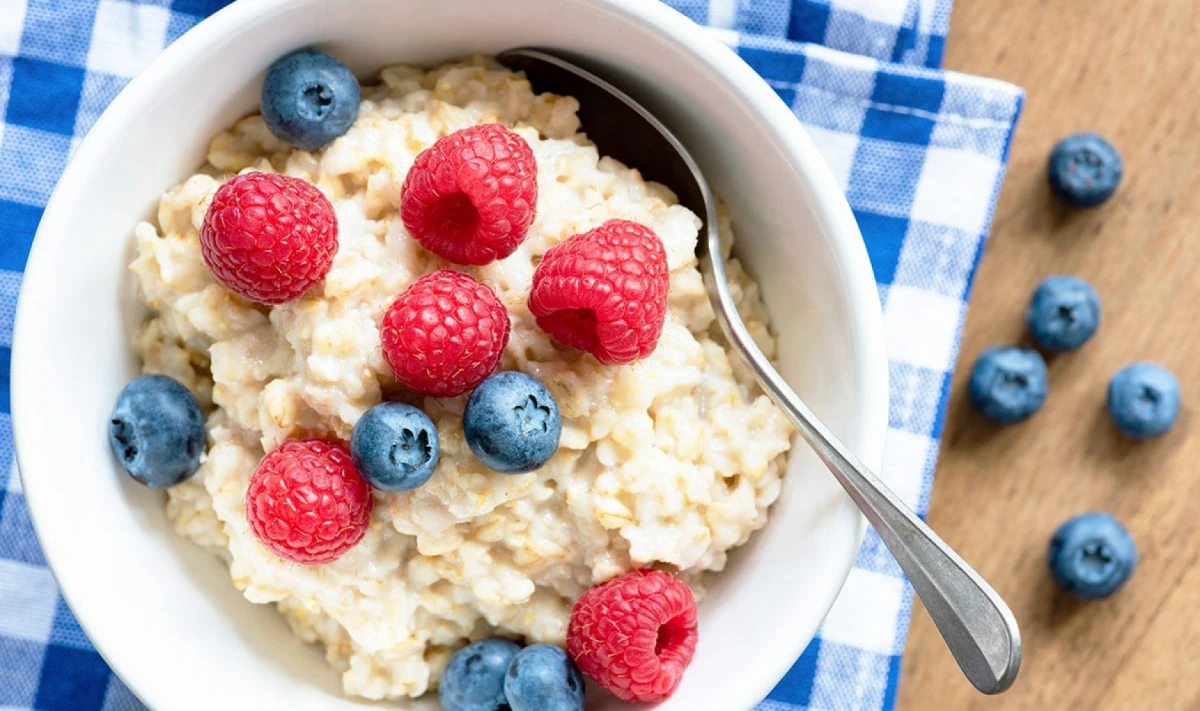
[{"x": 976, "y": 624}]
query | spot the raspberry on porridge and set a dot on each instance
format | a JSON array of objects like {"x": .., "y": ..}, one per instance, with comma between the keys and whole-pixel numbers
[{"x": 668, "y": 461}]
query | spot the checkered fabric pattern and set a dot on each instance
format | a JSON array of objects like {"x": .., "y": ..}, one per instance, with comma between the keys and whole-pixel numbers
[
  {"x": 901, "y": 31},
  {"x": 919, "y": 152}
]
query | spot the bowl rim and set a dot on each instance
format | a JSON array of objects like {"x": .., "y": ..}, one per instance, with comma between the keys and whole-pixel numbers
[{"x": 789, "y": 137}]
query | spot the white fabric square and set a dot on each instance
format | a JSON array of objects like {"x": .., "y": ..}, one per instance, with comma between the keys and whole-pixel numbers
[
  {"x": 865, "y": 612},
  {"x": 125, "y": 37},
  {"x": 12, "y": 27},
  {"x": 27, "y": 600},
  {"x": 905, "y": 457},
  {"x": 838, "y": 149},
  {"x": 722, "y": 13},
  {"x": 955, "y": 189},
  {"x": 921, "y": 327}
]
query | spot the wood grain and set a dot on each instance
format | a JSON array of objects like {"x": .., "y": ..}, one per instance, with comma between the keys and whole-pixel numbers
[{"x": 1129, "y": 69}]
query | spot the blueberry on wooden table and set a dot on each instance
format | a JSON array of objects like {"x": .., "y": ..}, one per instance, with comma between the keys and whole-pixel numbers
[
  {"x": 1143, "y": 400},
  {"x": 1084, "y": 170},
  {"x": 1091, "y": 556},
  {"x": 1008, "y": 384},
  {"x": 1063, "y": 313}
]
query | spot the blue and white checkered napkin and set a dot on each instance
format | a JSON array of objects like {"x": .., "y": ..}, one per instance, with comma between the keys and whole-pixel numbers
[{"x": 920, "y": 153}]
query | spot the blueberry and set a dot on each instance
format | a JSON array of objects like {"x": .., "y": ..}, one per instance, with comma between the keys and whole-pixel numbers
[
  {"x": 1091, "y": 556},
  {"x": 395, "y": 447},
  {"x": 157, "y": 431},
  {"x": 1143, "y": 399},
  {"x": 1008, "y": 384},
  {"x": 1063, "y": 313},
  {"x": 1084, "y": 170},
  {"x": 474, "y": 678},
  {"x": 309, "y": 98},
  {"x": 543, "y": 678},
  {"x": 512, "y": 423}
]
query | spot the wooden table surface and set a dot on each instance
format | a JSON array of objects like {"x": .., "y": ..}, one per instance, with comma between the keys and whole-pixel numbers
[{"x": 1130, "y": 70}]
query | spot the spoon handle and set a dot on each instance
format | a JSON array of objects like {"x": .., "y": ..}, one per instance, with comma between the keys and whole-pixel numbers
[{"x": 976, "y": 624}]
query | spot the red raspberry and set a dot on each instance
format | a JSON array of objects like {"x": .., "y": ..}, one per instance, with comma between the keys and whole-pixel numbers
[
  {"x": 604, "y": 292},
  {"x": 445, "y": 334},
  {"x": 269, "y": 238},
  {"x": 307, "y": 502},
  {"x": 471, "y": 196},
  {"x": 635, "y": 635}
]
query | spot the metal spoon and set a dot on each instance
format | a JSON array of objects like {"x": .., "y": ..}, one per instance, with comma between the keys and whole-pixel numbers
[{"x": 977, "y": 625}]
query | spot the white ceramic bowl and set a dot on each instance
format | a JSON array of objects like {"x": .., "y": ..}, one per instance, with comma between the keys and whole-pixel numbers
[{"x": 163, "y": 612}]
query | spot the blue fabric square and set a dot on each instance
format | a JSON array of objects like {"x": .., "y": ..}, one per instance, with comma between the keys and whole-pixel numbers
[
  {"x": 796, "y": 686},
  {"x": 180, "y": 23},
  {"x": 65, "y": 631},
  {"x": 696, "y": 10},
  {"x": 935, "y": 51},
  {"x": 198, "y": 8},
  {"x": 939, "y": 415},
  {"x": 906, "y": 45},
  {"x": 5, "y": 373},
  {"x": 889, "y": 125},
  {"x": 913, "y": 92},
  {"x": 893, "y": 677},
  {"x": 20, "y": 667},
  {"x": 72, "y": 680},
  {"x": 884, "y": 235},
  {"x": 44, "y": 95},
  {"x": 809, "y": 20},
  {"x": 58, "y": 31},
  {"x": 772, "y": 64},
  {"x": 18, "y": 223}
]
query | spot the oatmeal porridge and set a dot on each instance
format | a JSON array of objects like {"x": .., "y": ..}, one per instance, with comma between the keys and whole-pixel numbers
[{"x": 669, "y": 462}]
